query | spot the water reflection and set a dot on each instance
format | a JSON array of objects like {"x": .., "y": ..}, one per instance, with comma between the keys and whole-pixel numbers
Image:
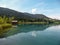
[
  {"x": 33, "y": 37},
  {"x": 3, "y": 32},
  {"x": 22, "y": 28},
  {"x": 26, "y": 28}
]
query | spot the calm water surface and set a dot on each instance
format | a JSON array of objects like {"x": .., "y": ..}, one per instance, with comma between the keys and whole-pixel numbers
[{"x": 32, "y": 35}]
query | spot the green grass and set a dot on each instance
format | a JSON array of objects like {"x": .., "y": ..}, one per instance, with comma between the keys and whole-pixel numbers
[
  {"x": 5, "y": 26},
  {"x": 33, "y": 23}
]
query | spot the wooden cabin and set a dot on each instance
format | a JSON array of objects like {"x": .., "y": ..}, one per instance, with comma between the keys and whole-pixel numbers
[{"x": 14, "y": 22}]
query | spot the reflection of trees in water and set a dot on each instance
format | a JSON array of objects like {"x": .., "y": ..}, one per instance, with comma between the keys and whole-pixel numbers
[
  {"x": 23, "y": 28},
  {"x": 3, "y": 32},
  {"x": 27, "y": 28}
]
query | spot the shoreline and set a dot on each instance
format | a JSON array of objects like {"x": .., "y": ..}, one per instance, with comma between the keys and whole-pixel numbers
[{"x": 37, "y": 23}]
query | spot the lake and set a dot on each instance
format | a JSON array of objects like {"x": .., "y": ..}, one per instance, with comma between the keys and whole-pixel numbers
[{"x": 32, "y": 35}]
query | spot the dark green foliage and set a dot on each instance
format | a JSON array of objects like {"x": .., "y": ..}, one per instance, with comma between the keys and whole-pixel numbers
[{"x": 25, "y": 17}]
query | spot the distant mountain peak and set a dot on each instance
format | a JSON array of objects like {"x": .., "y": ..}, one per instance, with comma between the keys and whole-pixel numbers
[{"x": 9, "y": 13}]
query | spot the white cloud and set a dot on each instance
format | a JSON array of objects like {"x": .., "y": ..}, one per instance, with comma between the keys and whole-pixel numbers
[
  {"x": 3, "y": 5},
  {"x": 34, "y": 10},
  {"x": 34, "y": 34},
  {"x": 9, "y": 4},
  {"x": 55, "y": 17}
]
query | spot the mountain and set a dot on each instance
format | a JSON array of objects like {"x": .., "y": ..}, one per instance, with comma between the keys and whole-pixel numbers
[
  {"x": 9, "y": 13},
  {"x": 26, "y": 17}
]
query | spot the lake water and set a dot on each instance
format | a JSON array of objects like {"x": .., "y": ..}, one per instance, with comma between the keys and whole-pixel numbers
[{"x": 32, "y": 35}]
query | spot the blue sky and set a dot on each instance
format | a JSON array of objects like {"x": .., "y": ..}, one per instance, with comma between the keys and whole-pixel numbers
[{"x": 50, "y": 8}]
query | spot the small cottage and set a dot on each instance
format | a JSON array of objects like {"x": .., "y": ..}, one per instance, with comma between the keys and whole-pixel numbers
[{"x": 14, "y": 22}]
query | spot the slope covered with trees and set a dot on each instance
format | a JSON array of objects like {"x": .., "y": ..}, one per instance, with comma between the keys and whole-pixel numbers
[{"x": 26, "y": 17}]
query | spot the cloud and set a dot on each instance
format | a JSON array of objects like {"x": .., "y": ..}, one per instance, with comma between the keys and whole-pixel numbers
[
  {"x": 55, "y": 17},
  {"x": 34, "y": 10},
  {"x": 39, "y": 4},
  {"x": 34, "y": 34},
  {"x": 3, "y": 5}
]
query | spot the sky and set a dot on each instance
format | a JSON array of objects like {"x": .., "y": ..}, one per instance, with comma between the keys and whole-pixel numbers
[{"x": 50, "y": 8}]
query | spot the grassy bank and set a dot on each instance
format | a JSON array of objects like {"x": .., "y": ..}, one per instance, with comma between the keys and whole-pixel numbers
[
  {"x": 38, "y": 23},
  {"x": 32, "y": 23},
  {"x": 5, "y": 26}
]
